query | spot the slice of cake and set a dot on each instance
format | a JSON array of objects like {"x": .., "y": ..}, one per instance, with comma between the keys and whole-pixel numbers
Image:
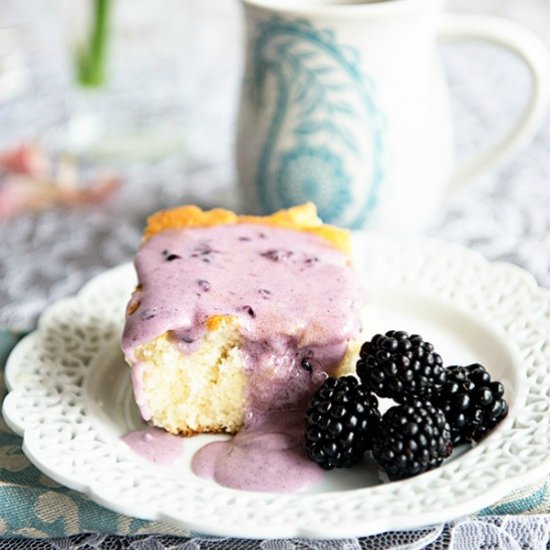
[{"x": 238, "y": 316}]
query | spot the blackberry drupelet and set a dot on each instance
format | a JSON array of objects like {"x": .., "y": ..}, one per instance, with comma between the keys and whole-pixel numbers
[
  {"x": 412, "y": 438},
  {"x": 400, "y": 366},
  {"x": 472, "y": 402},
  {"x": 341, "y": 420}
]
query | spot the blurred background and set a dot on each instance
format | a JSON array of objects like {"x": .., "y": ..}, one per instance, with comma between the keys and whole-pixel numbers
[
  {"x": 175, "y": 67},
  {"x": 165, "y": 88}
]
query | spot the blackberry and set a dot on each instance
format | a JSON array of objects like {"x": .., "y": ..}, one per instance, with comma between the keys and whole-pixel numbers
[
  {"x": 400, "y": 366},
  {"x": 412, "y": 438},
  {"x": 472, "y": 402},
  {"x": 341, "y": 419}
]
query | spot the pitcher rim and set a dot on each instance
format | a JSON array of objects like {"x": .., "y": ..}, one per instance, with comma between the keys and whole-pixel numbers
[{"x": 377, "y": 8}]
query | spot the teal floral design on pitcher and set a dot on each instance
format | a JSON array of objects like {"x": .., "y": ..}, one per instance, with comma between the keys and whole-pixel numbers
[
  {"x": 323, "y": 138},
  {"x": 309, "y": 173}
]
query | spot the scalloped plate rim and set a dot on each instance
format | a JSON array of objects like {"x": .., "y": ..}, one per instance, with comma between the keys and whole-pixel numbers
[{"x": 495, "y": 492}]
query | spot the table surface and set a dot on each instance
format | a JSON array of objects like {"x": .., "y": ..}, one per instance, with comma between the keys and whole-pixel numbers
[{"x": 504, "y": 215}]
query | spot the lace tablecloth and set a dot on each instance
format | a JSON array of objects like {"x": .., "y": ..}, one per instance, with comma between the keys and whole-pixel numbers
[{"x": 504, "y": 216}]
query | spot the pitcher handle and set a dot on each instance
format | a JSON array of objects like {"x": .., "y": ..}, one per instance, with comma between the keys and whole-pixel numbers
[{"x": 524, "y": 43}]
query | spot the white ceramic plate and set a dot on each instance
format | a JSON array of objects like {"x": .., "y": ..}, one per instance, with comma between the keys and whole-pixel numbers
[{"x": 71, "y": 400}]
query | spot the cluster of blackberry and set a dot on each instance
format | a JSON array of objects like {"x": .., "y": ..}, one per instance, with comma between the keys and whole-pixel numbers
[{"x": 437, "y": 408}]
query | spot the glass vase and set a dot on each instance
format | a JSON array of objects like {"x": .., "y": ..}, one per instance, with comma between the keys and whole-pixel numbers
[{"x": 127, "y": 63}]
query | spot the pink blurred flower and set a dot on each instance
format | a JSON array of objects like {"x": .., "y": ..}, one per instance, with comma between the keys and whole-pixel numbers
[
  {"x": 30, "y": 184},
  {"x": 26, "y": 159}
]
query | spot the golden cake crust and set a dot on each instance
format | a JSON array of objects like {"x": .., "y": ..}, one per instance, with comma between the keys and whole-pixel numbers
[{"x": 299, "y": 218}]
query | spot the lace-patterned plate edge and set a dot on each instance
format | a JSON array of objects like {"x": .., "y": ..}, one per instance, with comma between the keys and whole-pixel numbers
[{"x": 47, "y": 375}]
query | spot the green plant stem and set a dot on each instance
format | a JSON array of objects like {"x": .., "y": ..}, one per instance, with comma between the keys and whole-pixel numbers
[{"x": 92, "y": 57}]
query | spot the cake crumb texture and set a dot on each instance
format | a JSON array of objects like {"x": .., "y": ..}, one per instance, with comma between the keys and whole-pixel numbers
[{"x": 196, "y": 393}]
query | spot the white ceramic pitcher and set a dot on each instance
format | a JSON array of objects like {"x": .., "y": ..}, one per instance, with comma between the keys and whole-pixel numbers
[{"x": 345, "y": 103}]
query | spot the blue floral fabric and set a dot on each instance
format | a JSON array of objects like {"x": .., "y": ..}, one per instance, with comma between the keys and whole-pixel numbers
[{"x": 32, "y": 505}]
